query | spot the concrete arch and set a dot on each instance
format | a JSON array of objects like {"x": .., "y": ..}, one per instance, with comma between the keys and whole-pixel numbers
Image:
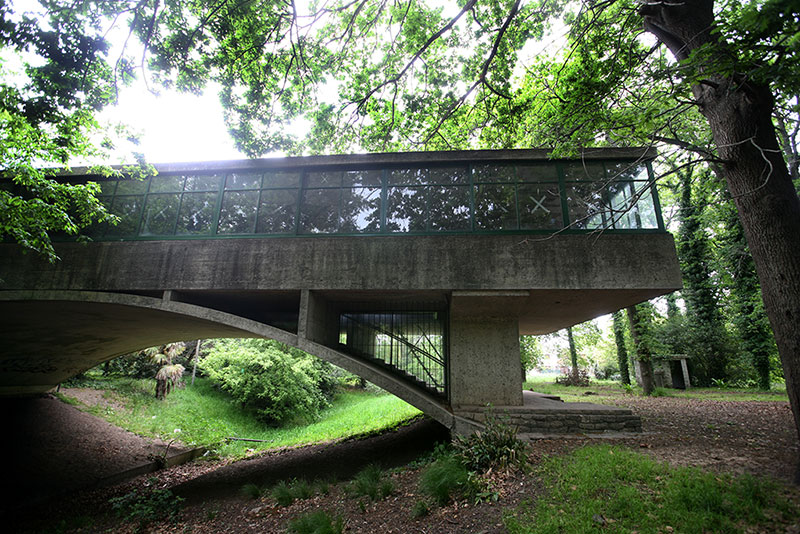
[{"x": 54, "y": 335}]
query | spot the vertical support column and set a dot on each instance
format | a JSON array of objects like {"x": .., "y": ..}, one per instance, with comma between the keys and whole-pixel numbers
[
  {"x": 318, "y": 322},
  {"x": 484, "y": 356},
  {"x": 685, "y": 369}
]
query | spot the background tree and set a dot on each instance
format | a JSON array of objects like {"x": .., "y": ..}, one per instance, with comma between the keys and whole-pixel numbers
[
  {"x": 622, "y": 352},
  {"x": 48, "y": 107},
  {"x": 709, "y": 342},
  {"x": 640, "y": 319}
]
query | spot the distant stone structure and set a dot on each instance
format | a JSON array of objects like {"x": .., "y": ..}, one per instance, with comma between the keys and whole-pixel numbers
[{"x": 670, "y": 371}]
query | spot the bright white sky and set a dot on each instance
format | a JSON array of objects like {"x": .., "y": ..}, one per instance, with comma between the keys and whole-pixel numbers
[{"x": 174, "y": 127}]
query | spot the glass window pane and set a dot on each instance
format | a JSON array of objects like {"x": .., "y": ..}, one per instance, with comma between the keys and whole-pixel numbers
[
  {"x": 277, "y": 211},
  {"x": 493, "y": 173},
  {"x": 203, "y": 182},
  {"x": 324, "y": 179},
  {"x": 166, "y": 184},
  {"x": 448, "y": 175},
  {"x": 159, "y": 214},
  {"x": 132, "y": 187},
  {"x": 243, "y": 180},
  {"x": 238, "y": 212},
  {"x": 356, "y": 178},
  {"x": 281, "y": 179},
  {"x": 620, "y": 196},
  {"x": 405, "y": 210},
  {"x": 197, "y": 213},
  {"x": 129, "y": 211},
  {"x": 107, "y": 187},
  {"x": 586, "y": 171},
  {"x": 539, "y": 207},
  {"x": 361, "y": 210},
  {"x": 408, "y": 176},
  {"x": 319, "y": 211},
  {"x": 585, "y": 204},
  {"x": 538, "y": 173},
  {"x": 495, "y": 207},
  {"x": 626, "y": 214},
  {"x": 449, "y": 208},
  {"x": 626, "y": 170}
]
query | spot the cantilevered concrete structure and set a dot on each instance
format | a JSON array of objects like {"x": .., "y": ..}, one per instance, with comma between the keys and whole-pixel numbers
[{"x": 416, "y": 271}]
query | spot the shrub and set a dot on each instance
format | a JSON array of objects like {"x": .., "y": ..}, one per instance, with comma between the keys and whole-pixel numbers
[
  {"x": 319, "y": 522},
  {"x": 579, "y": 380},
  {"x": 279, "y": 387},
  {"x": 496, "y": 446},
  {"x": 444, "y": 480}
]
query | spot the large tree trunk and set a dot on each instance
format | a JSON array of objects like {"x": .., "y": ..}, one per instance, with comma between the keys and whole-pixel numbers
[
  {"x": 573, "y": 356},
  {"x": 642, "y": 348},
  {"x": 740, "y": 115}
]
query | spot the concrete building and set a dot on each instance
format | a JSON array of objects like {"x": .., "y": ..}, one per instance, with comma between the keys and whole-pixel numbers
[{"x": 417, "y": 271}]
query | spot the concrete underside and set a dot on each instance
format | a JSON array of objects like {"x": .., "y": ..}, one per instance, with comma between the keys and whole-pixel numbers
[{"x": 106, "y": 299}]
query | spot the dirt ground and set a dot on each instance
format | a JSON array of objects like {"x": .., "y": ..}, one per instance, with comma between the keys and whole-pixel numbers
[{"x": 736, "y": 437}]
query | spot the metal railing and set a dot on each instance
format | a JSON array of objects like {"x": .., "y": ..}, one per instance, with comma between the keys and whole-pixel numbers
[{"x": 412, "y": 343}]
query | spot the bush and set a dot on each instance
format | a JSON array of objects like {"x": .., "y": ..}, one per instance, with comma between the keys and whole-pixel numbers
[
  {"x": 496, "y": 446},
  {"x": 580, "y": 380},
  {"x": 319, "y": 522},
  {"x": 278, "y": 386},
  {"x": 444, "y": 480}
]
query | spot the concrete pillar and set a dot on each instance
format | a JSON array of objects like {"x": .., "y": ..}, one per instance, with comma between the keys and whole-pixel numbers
[
  {"x": 685, "y": 369},
  {"x": 318, "y": 321},
  {"x": 484, "y": 361}
]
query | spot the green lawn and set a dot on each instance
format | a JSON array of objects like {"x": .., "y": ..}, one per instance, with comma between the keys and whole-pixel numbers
[
  {"x": 201, "y": 415},
  {"x": 605, "y": 389},
  {"x": 615, "y": 490}
]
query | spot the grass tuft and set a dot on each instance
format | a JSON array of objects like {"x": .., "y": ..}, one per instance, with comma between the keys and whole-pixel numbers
[
  {"x": 370, "y": 483},
  {"x": 444, "y": 480},
  {"x": 319, "y": 522},
  {"x": 253, "y": 491}
]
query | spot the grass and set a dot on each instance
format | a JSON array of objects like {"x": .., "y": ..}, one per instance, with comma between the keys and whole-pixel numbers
[
  {"x": 608, "y": 389},
  {"x": 201, "y": 415},
  {"x": 615, "y": 490},
  {"x": 370, "y": 483}
]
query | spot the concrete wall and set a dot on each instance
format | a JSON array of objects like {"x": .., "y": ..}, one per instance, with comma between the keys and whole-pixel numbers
[
  {"x": 484, "y": 362},
  {"x": 570, "y": 278}
]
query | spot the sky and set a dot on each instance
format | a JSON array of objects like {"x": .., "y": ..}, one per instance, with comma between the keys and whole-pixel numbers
[{"x": 174, "y": 127}]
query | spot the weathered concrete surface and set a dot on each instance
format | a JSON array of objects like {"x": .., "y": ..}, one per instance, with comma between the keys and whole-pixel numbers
[
  {"x": 570, "y": 278},
  {"x": 486, "y": 369}
]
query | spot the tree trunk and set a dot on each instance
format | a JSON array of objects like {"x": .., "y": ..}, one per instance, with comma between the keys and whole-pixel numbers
[
  {"x": 196, "y": 357},
  {"x": 161, "y": 388},
  {"x": 622, "y": 352},
  {"x": 739, "y": 113},
  {"x": 573, "y": 356},
  {"x": 642, "y": 349}
]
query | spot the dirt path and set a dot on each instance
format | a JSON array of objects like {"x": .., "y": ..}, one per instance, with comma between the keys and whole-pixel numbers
[{"x": 52, "y": 448}]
